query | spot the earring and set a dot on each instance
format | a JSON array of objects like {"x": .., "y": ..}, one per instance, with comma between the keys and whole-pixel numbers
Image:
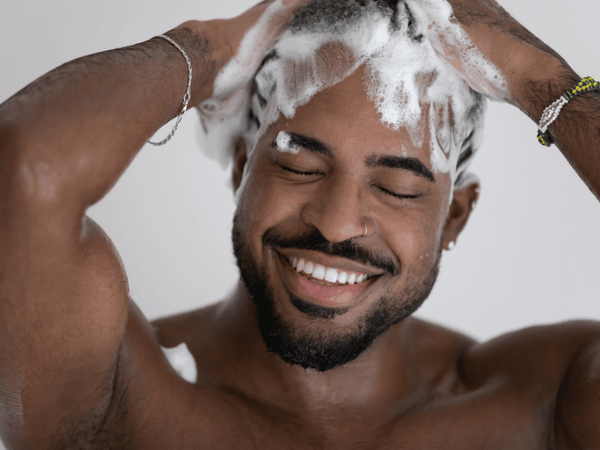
[{"x": 451, "y": 245}]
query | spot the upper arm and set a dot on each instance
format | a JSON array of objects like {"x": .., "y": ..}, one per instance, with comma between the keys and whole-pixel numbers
[
  {"x": 578, "y": 403},
  {"x": 63, "y": 311}
]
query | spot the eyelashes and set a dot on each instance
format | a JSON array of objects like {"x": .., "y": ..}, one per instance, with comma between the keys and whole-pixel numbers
[
  {"x": 296, "y": 172},
  {"x": 302, "y": 173},
  {"x": 393, "y": 194}
]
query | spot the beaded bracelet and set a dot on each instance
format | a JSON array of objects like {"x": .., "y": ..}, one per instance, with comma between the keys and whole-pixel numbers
[
  {"x": 186, "y": 97},
  {"x": 551, "y": 113}
]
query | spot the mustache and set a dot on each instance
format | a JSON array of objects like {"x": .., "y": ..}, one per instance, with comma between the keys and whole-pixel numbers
[{"x": 348, "y": 249}]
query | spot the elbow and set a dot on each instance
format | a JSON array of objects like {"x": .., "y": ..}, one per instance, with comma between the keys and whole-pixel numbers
[{"x": 25, "y": 178}]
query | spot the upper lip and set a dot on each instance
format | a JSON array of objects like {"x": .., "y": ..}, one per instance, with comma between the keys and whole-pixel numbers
[{"x": 336, "y": 262}]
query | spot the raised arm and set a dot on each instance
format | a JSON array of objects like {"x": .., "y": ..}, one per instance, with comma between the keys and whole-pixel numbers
[
  {"x": 536, "y": 76},
  {"x": 64, "y": 141}
]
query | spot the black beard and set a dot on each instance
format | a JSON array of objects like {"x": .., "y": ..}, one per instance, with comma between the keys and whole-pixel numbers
[{"x": 317, "y": 350}]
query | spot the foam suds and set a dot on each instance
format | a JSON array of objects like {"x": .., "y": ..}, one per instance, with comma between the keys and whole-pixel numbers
[
  {"x": 285, "y": 145},
  {"x": 408, "y": 81},
  {"x": 182, "y": 361}
]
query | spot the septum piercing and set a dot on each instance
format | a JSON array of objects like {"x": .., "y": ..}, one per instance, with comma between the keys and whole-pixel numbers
[{"x": 366, "y": 229}]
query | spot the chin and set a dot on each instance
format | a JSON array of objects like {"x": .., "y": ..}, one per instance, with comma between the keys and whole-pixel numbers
[{"x": 317, "y": 335}]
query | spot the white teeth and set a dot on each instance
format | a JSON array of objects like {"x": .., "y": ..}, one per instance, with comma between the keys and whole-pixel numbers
[
  {"x": 319, "y": 272},
  {"x": 331, "y": 275},
  {"x": 308, "y": 268},
  {"x": 328, "y": 274}
]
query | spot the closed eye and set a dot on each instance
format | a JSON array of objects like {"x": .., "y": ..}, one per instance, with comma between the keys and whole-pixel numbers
[
  {"x": 393, "y": 194},
  {"x": 294, "y": 171}
]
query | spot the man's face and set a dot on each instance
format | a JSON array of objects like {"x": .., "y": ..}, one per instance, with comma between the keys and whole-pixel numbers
[{"x": 311, "y": 208}]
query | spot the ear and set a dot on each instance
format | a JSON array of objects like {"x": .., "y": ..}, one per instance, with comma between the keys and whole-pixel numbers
[
  {"x": 463, "y": 202},
  {"x": 240, "y": 157}
]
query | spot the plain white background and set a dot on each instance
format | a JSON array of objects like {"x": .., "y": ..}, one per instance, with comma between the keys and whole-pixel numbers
[{"x": 530, "y": 254}]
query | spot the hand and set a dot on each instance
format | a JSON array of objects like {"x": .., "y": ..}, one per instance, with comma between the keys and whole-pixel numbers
[
  {"x": 271, "y": 18},
  {"x": 244, "y": 39},
  {"x": 481, "y": 35},
  {"x": 534, "y": 75}
]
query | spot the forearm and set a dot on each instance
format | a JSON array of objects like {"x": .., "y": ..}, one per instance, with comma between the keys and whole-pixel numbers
[
  {"x": 536, "y": 76},
  {"x": 71, "y": 133}
]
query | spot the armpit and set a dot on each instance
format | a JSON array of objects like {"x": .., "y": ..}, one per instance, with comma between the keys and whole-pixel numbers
[{"x": 106, "y": 425}]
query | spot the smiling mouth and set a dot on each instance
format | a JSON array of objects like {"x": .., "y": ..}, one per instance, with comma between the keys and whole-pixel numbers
[
  {"x": 326, "y": 275},
  {"x": 323, "y": 285}
]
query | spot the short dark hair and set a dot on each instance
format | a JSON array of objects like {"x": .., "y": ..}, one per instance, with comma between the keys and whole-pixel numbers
[{"x": 337, "y": 15}]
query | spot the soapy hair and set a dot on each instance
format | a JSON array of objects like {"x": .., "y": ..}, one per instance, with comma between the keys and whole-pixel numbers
[
  {"x": 331, "y": 16},
  {"x": 327, "y": 40}
]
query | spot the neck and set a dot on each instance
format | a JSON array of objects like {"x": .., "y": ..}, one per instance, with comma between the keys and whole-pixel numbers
[{"x": 384, "y": 376}]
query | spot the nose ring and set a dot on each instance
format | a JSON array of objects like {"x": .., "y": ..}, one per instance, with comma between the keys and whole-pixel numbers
[{"x": 366, "y": 229}]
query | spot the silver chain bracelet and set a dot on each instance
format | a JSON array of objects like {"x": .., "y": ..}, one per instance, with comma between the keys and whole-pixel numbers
[{"x": 186, "y": 97}]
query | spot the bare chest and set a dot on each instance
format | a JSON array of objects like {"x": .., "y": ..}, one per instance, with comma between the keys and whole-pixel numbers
[{"x": 219, "y": 420}]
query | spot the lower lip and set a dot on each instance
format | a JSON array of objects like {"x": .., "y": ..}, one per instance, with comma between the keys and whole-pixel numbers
[{"x": 321, "y": 293}]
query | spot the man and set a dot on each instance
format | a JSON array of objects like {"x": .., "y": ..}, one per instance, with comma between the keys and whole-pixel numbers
[{"x": 348, "y": 367}]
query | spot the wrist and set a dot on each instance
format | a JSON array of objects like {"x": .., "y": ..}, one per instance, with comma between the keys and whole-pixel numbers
[
  {"x": 208, "y": 52},
  {"x": 538, "y": 80}
]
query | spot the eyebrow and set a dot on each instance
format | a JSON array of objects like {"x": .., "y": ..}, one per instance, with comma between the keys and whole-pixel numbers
[
  {"x": 409, "y": 163},
  {"x": 310, "y": 144}
]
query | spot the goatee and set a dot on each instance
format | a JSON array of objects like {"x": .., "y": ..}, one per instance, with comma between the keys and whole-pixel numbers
[{"x": 318, "y": 349}]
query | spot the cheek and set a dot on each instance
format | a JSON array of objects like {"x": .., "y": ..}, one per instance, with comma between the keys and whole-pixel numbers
[
  {"x": 265, "y": 203},
  {"x": 416, "y": 243},
  {"x": 415, "y": 236},
  {"x": 268, "y": 201}
]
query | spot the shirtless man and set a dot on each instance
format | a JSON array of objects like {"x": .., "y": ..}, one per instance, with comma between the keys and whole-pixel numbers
[{"x": 280, "y": 364}]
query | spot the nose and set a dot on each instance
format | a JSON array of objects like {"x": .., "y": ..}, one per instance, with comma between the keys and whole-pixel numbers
[{"x": 337, "y": 211}]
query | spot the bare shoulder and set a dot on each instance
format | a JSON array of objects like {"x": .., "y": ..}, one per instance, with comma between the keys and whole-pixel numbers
[
  {"x": 558, "y": 364},
  {"x": 547, "y": 358},
  {"x": 544, "y": 351}
]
